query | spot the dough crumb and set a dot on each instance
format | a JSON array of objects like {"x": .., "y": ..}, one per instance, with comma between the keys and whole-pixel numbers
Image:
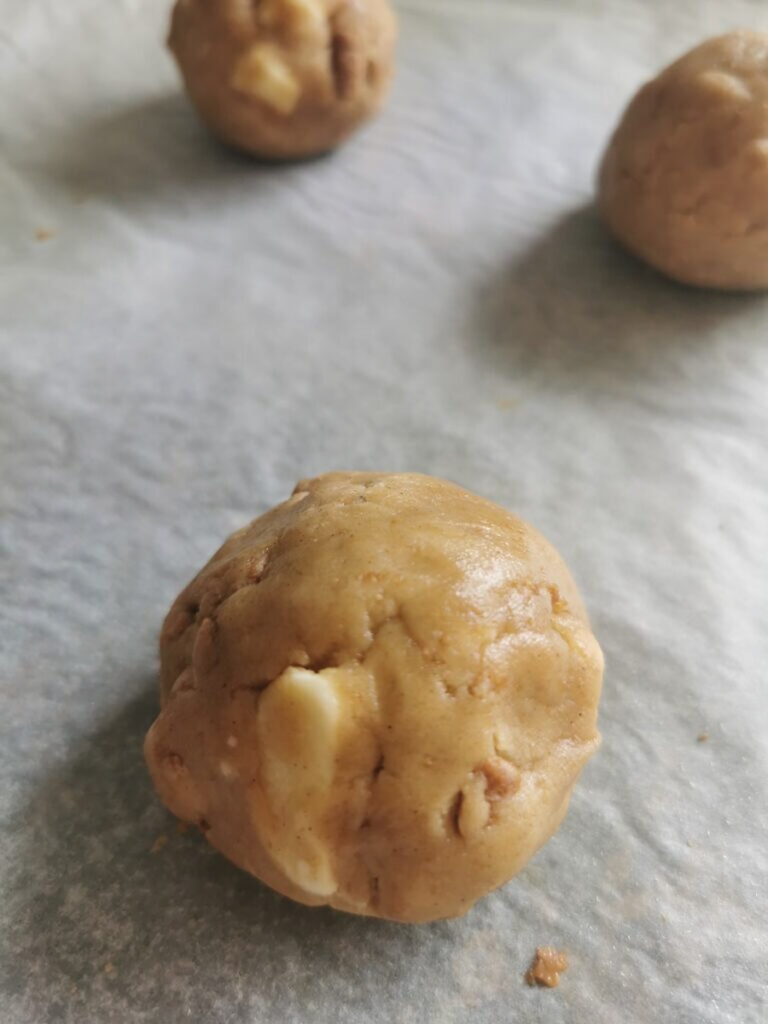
[
  {"x": 548, "y": 964},
  {"x": 44, "y": 234},
  {"x": 158, "y": 844},
  {"x": 109, "y": 968},
  {"x": 702, "y": 737}
]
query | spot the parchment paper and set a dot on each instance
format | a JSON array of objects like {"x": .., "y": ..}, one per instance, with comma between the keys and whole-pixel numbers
[{"x": 184, "y": 334}]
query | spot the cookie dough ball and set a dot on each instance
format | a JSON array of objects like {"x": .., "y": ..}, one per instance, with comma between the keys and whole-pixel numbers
[
  {"x": 684, "y": 182},
  {"x": 284, "y": 78},
  {"x": 378, "y": 696}
]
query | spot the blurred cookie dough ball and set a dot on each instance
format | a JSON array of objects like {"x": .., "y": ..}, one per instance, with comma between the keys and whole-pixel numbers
[
  {"x": 684, "y": 182},
  {"x": 378, "y": 696},
  {"x": 284, "y": 78}
]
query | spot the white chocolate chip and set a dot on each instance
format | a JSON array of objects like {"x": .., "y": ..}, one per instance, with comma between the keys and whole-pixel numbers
[
  {"x": 298, "y": 725},
  {"x": 312, "y": 876},
  {"x": 759, "y": 148},
  {"x": 231, "y": 742},
  {"x": 262, "y": 74},
  {"x": 299, "y": 17},
  {"x": 724, "y": 85},
  {"x": 228, "y": 771}
]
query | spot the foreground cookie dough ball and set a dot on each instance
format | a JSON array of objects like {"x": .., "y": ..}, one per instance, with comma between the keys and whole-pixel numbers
[
  {"x": 284, "y": 78},
  {"x": 378, "y": 696},
  {"x": 684, "y": 182}
]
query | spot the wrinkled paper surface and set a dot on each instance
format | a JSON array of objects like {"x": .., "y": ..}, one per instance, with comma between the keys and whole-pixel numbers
[{"x": 185, "y": 333}]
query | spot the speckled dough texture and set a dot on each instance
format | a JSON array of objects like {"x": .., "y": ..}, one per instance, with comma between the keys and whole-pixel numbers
[
  {"x": 284, "y": 78},
  {"x": 684, "y": 182},
  {"x": 378, "y": 695}
]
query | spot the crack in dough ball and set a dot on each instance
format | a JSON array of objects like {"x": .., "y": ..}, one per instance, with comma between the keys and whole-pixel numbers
[
  {"x": 378, "y": 696},
  {"x": 284, "y": 78},
  {"x": 684, "y": 181}
]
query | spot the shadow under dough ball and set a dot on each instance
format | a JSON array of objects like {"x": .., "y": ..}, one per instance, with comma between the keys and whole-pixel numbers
[
  {"x": 284, "y": 79},
  {"x": 684, "y": 181},
  {"x": 378, "y": 696}
]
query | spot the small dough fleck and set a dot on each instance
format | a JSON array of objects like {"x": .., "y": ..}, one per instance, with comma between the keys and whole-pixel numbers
[
  {"x": 158, "y": 844},
  {"x": 396, "y": 690},
  {"x": 547, "y": 966},
  {"x": 684, "y": 181},
  {"x": 284, "y": 79}
]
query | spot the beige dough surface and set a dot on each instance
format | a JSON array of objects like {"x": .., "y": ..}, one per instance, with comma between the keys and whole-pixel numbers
[
  {"x": 378, "y": 696},
  {"x": 284, "y": 78},
  {"x": 684, "y": 181}
]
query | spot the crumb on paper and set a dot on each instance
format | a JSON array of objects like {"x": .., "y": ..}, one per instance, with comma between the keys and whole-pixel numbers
[
  {"x": 44, "y": 234},
  {"x": 702, "y": 737},
  {"x": 547, "y": 966},
  {"x": 505, "y": 404},
  {"x": 109, "y": 968},
  {"x": 73, "y": 989},
  {"x": 158, "y": 844},
  {"x": 182, "y": 828}
]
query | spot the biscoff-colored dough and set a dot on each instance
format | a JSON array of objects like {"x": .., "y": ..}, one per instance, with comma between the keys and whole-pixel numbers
[
  {"x": 378, "y": 696},
  {"x": 284, "y": 78},
  {"x": 548, "y": 964},
  {"x": 684, "y": 182}
]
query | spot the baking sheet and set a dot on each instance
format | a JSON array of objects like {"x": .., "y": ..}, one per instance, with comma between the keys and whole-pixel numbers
[{"x": 184, "y": 334}]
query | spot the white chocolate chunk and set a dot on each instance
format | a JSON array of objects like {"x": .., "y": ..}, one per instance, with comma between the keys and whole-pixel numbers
[
  {"x": 299, "y": 17},
  {"x": 298, "y": 728},
  {"x": 262, "y": 74},
  {"x": 298, "y": 724},
  {"x": 724, "y": 85},
  {"x": 759, "y": 148}
]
